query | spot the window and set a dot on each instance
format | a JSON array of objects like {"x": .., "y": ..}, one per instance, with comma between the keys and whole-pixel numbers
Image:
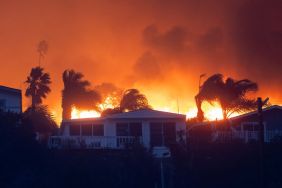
[
  {"x": 122, "y": 129},
  {"x": 129, "y": 129},
  {"x": 98, "y": 130},
  {"x": 86, "y": 130},
  {"x": 135, "y": 129},
  {"x": 162, "y": 133},
  {"x": 250, "y": 126},
  {"x": 75, "y": 130},
  {"x": 156, "y": 132},
  {"x": 169, "y": 133},
  {"x": 2, "y": 104}
]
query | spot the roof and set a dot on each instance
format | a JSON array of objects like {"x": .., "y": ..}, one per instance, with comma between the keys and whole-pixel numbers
[
  {"x": 255, "y": 112},
  {"x": 79, "y": 120},
  {"x": 137, "y": 114},
  {"x": 10, "y": 90},
  {"x": 146, "y": 114}
]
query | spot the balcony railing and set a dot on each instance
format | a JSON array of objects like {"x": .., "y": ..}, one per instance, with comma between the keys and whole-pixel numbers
[
  {"x": 93, "y": 142},
  {"x": 246, "y": 136}
]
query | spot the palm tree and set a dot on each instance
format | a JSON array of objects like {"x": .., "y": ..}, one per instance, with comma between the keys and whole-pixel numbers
[
  {"x": 41, "y": 119},
  {"x": 132, "y": 99},
  {"x": 110, "y": 111},
  {"x": 38, "y": 86},
  {"x": 41, "y": 122},
  {"x": 229, "y": 93},
  {"x": 76, "y": 93}
]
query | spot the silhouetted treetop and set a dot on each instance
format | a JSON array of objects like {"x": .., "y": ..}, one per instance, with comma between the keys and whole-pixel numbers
[
  {"x": 132, "y": 99},
  {"x": 229, "y": 93},
  {"x": 38, "y": 85},
  {"x": 40, "y": 118},
  {"x": 76, "y": 93}
]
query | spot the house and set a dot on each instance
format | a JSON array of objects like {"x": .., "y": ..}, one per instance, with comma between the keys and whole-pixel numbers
[
  {"x": 245, "y": 127},
  {"x": 10, "y": 99},
  {"x": 150, "y": 128}
]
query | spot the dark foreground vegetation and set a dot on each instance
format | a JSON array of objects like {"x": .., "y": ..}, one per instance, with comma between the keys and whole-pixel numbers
[{"x": 25, "y": 163}]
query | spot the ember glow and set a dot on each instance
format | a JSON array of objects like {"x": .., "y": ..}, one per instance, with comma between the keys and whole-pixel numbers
[
  {"x": 212, "y": 112},
  {"x": 108, "y": 103},
  {"x": 78, "y": 114}
]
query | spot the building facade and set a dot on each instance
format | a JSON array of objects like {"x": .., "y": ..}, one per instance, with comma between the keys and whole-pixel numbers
[
  {"x": 10, "y": 99},
  {"x": 150, "y": 128},
  {"x": 246, "y": 128}
]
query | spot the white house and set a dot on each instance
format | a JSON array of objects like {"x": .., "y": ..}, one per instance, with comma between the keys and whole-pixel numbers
[
  {"x": 150, "y": 128},
  {"x": 10, "y": 99}
]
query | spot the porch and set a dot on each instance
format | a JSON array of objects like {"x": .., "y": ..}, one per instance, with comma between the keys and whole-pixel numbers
[{"x": 93, "y": 142}]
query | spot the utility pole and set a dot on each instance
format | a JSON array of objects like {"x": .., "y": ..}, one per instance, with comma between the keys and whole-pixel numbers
[
  {"x": 261, "y": 142},
  {"x": 177, "y": 105},
  {"x": 260, "y": 104},
  {"x": 161, "y": 155},
  {"x": 162, "y": 174}
]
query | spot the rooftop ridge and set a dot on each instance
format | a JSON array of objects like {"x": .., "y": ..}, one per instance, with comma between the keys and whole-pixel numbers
[
  {"x": 255, "y": 111},
  {"x": 136, "y": 114},
  {"x": 10, "y": 89}
]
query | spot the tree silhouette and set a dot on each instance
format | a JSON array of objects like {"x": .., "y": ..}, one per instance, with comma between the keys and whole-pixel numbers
[
  {"x": 40, "y": 119},
  {"x": 76, "y": 93},
  {"x": 38, "y": 86},
  {"x": 110, "y": 111},
  {"x": 229, "y": 93},
  {"x": 132, "y": 99}
]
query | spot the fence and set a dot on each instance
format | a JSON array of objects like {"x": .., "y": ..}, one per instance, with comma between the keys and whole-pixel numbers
[
  {"x": 93, "y": 142},
  {"x": 245, "y": 136}
]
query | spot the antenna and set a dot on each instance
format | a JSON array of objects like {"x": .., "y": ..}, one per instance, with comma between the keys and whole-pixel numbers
[{"x": 177, "y": 105}]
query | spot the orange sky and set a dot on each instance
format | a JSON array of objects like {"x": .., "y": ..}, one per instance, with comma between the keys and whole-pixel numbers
[{"x": 158, "y": 46}]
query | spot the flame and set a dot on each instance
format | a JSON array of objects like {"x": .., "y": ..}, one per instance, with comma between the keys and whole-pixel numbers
[
  {"x": 108, "y": 103},
  {"x": 212, "y": 112},
  {"x": 192, "y": 112},
  {"x": 77, "y": 114}
]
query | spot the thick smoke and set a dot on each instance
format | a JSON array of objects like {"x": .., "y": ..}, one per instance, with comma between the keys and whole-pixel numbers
[
  {"x": 256, "y": 35},
  {"x": 172, "y": 41},
  {"x": 157, "y": 45},
  {"x": 147, "y": 67}
]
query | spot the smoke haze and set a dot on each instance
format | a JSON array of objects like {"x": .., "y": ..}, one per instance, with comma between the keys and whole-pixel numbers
[{"x": 160, "y": 47}]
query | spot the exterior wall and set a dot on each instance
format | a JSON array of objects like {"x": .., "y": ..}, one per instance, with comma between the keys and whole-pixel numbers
[
  {"x": 180, "y": 125},
  {"x": 110, "y": 130},
  {"x": 246, "y": 127},
  {"x": 13, "y": 101},
  {"x": 272, "y": 119},
  {"x": 66, "y": 131},
  {"x": 180, "y": 129},
  {"x": 146, "y": 133}
]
